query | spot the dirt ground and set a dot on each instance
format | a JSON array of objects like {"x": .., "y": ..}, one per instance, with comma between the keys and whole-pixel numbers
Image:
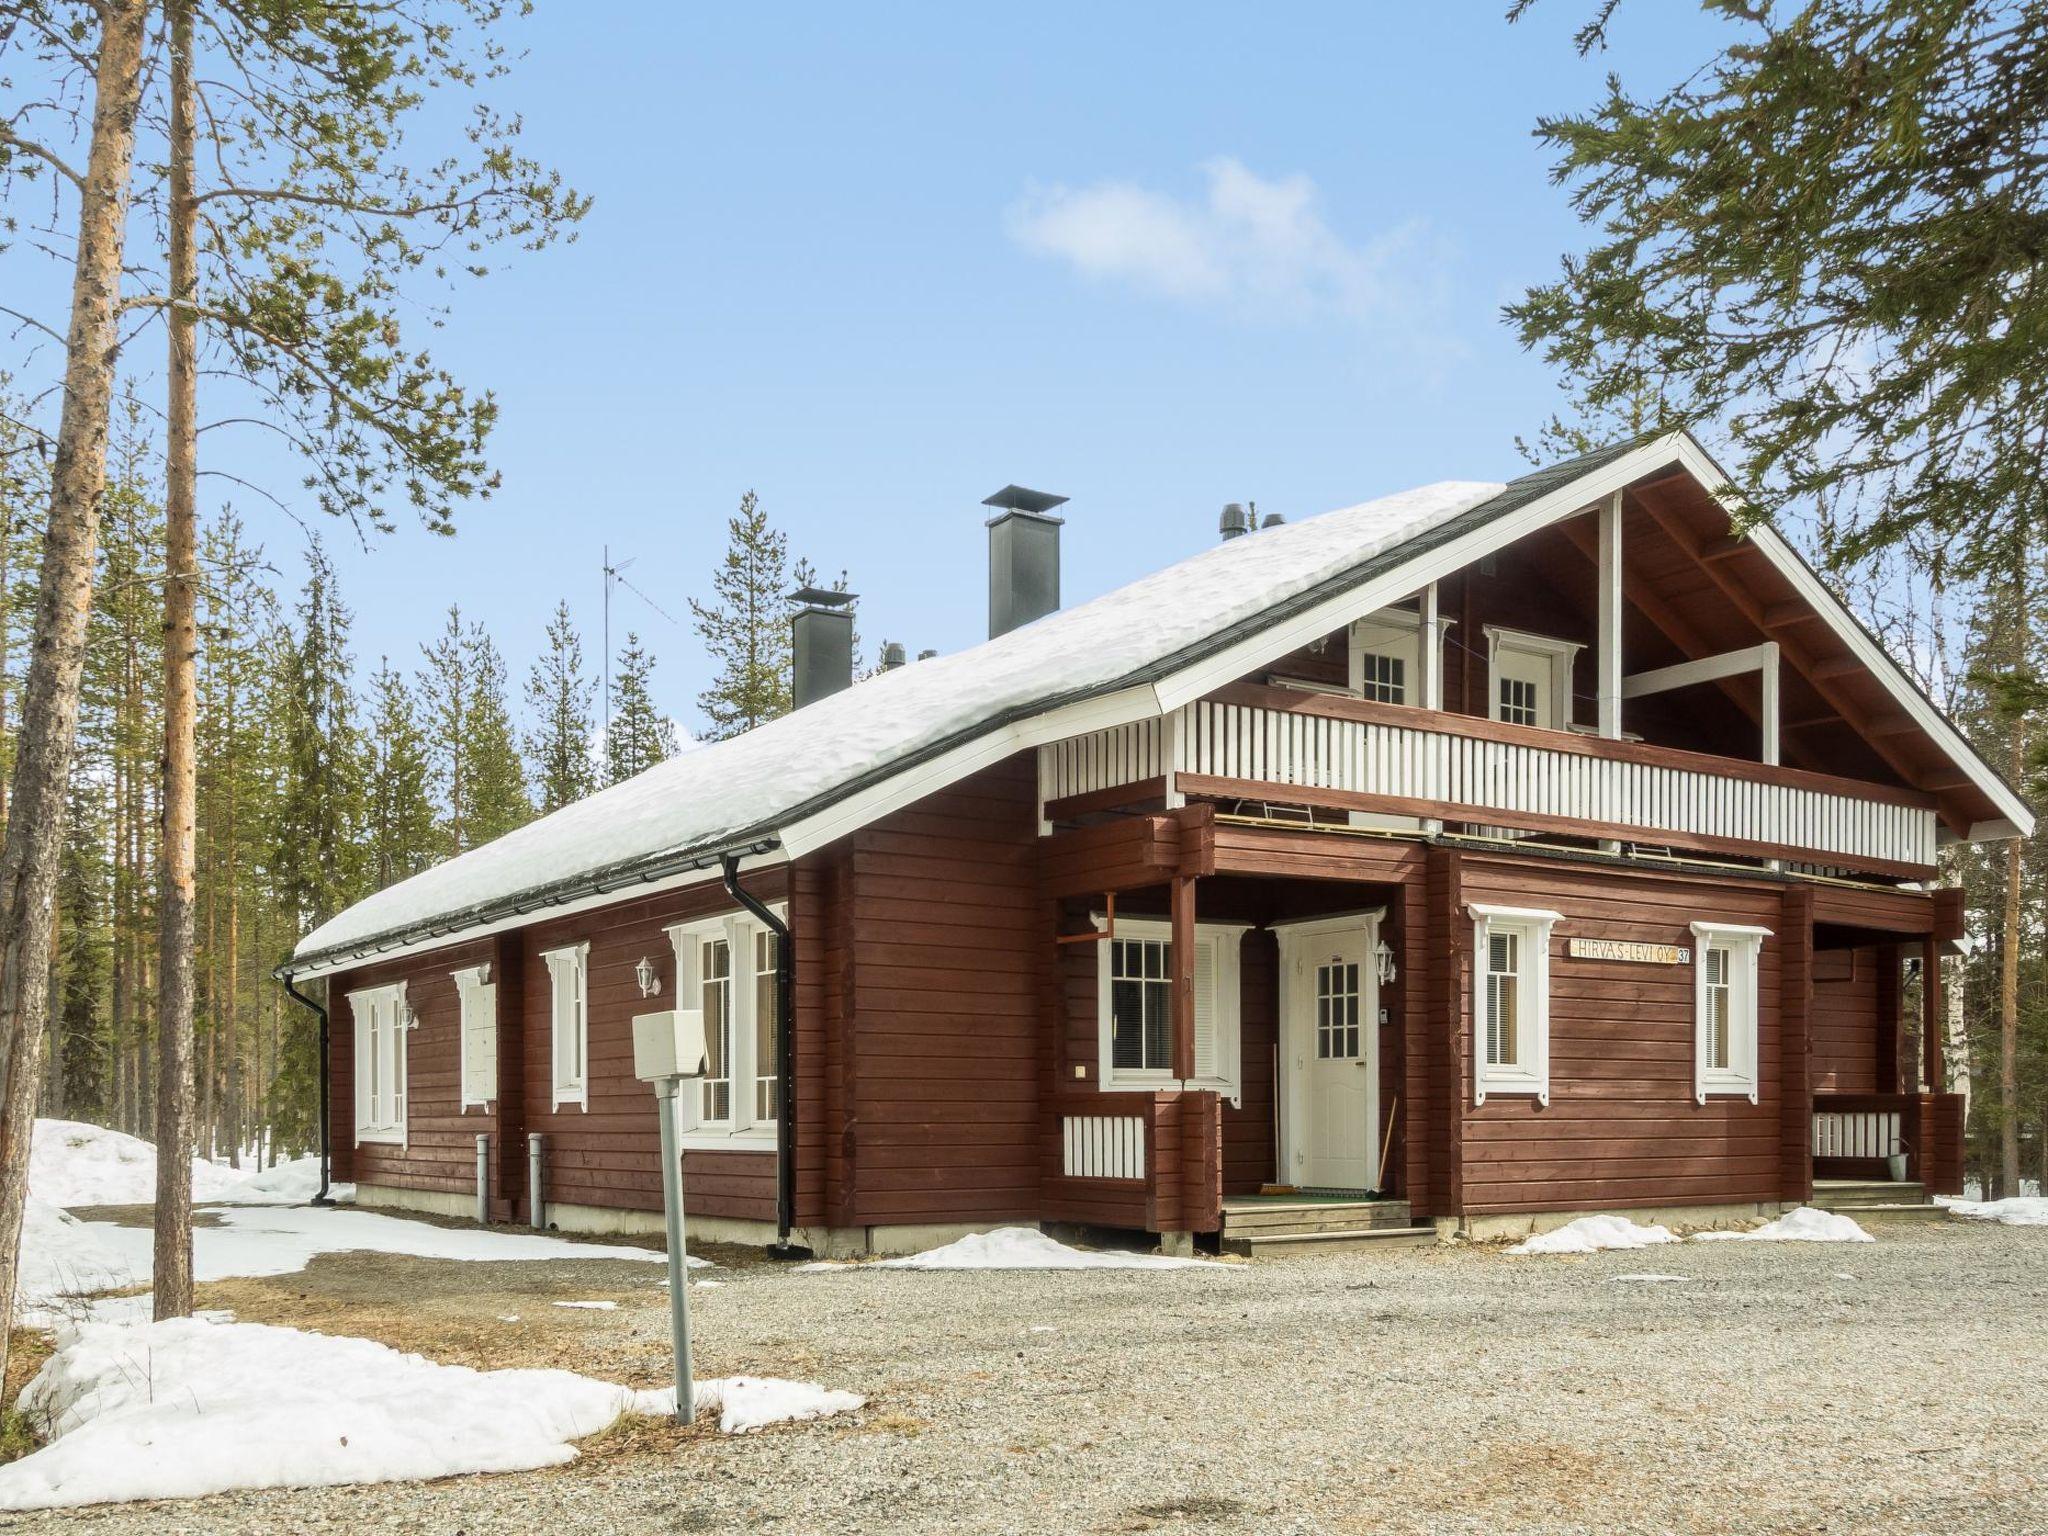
[{"x": 1754, "y": 1387}]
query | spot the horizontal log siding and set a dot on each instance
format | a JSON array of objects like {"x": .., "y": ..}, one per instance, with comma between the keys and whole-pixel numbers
[
  {"x": 1622, "y": 1128},
  {"x": 947, "y": 942},
  {"x": 440, "y": 1146},
  {"x": 609, "y": 1154},
  {"x": 1846, "y": 993}
]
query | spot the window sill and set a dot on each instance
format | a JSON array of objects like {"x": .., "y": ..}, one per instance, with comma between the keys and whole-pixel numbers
[
  {"x": 1725, "y": 1088},
  {"x": 1125, "y": 1082},
  {"x": 753, "y": 1139},
  {"x": 580, "y": 1099},
  {"x": 1514, "y": 1088},
  {"x": 381, "y": 1138}
]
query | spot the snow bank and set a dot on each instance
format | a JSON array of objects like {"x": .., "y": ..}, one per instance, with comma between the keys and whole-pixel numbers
[
  {"x": 1803, "y": 1225},
  {"x": 289, "y": 1183},
  {"x": 2015, "y": 1211},
  {"x": 1592, "y": 1234},
  {"x": 1026, "y": 1248},
  {"x": 63, "y": 1260},
  {"x": 701, "y": 800},
  {"x": 72, "y": 1163},
  {"x": 184, "y": 1408}
]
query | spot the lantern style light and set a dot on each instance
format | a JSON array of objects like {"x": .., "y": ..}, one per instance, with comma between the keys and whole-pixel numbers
[
  {"x": 644, "y": 973},
  {"x": 1383, "y": 961}
]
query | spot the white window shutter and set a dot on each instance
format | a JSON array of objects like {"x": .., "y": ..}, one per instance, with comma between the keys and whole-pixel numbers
[
  {"x": 397, "y": 1021},
  {"x": 562, "y": 1019},
  {"x": 365, "y": 1015},
  {"x": 1206, "y": 1065}
]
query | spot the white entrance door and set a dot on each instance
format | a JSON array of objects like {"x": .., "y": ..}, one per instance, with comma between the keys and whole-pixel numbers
[{"x": 1335, "y": 1039}]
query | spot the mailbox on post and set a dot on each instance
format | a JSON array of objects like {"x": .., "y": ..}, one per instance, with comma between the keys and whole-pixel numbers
[{"x": 667, "y": 1048}]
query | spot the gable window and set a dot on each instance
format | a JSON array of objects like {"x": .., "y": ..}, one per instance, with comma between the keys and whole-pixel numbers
[
  {"x": 1134, "y": 1006},
  {"x": 1510, "y": 1001},
  {"x": 478, "y": 996},
  {"x": 1531, "y": 677},
  {"x": 569, "y": 1023},
  {"x": 382, "y": 1021},
  {"x": 1383, "y": 679},
  {"x": 1386, "y": 657},
  {"x": 1725, "y": 1010},
  {"x": 726, "y": 966}
]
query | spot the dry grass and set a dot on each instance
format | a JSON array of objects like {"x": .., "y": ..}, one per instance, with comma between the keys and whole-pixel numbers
[{"x": 27, "y": 1349}]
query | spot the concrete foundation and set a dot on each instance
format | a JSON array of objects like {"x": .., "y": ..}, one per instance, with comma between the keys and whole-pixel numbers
[{"x": 1482, "y": 1229}]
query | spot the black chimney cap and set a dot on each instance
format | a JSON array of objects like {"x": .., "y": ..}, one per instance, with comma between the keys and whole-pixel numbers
[
  {"x": 821, "y": 597},
  {"x": 1017, "y": 498}
]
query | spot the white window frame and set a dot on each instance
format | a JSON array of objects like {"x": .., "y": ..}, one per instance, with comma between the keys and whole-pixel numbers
[
  {"x": 477, "y": 998},
  {"x": 1529, "y": 1076},
  {"x": 1397, "y": 634},
  {"x": 1223, "y": 943},
  {"x": 1561, "y": 656},
  {"x": 745, "y": 1130},
  {"x": 569, "y": 983},
  {"x": 382, "y": 1021},
  {"x": 1744, "y": 948}
]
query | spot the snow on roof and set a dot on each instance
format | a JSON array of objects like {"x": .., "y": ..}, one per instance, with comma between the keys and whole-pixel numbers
[{"x": 733, "y": 792}]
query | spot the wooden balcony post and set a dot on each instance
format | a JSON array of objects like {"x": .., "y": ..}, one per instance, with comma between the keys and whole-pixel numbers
[
  {"x": 1931, "y": 1015},
  {"x": 1607, "y": 652},
  {"x": 1181, "y": 981}
]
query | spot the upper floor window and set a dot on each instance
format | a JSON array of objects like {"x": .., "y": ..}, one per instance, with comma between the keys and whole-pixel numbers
[
  {"x": 1134, "y": 1006},
  {"x": 727, "y": 966},
  {"x": 382, "y": 1021},
  {"x": 569, "y": 1023},
  {"x": 1386, "y": 657},
  {"x": 1725, "y": 1009},
  {"x": 1531, "y": 678},
  {"x": 1510, "y": 1001},
  {"x": 1382, "y": 678}
]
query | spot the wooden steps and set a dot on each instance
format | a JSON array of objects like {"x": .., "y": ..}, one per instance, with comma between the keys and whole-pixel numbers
[
  {"x": 1876, "y": 1199},
  {"x": 1277, "y": 1226}
]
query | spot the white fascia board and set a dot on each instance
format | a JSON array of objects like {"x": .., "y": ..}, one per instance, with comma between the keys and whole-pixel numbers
[
  {"x": 1866, "y": 650},
  {"x": 1706, "y": 669},
  {"x": 355, "y": 961},
  {"x": 1568, "y": 500},
  {"x": 934, "y": 774}
]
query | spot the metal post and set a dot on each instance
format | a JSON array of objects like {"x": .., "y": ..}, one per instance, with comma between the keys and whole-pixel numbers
[
  {"x": 536, "y": 1204},
  {"x": 678, "y": 1280},
  {"x": 483, "y": 1179}
]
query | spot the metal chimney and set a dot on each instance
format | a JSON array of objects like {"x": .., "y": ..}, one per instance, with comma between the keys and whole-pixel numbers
[
  {"x": 1023, "y": 558},
  {"x": 821, "y": 635},
  {"x": 1235, "y": 522},
  {"x": 892, "y": 655},
  {"x": 1273, "y": 520},
  {"x": 926, "y": 655}
]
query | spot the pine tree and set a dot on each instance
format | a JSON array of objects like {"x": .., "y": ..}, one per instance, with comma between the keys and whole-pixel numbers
[
  {"x": 316, "y": 852},
  {"x": 399, "y": 825},
  {"x": 444, "y": 688},
  {"x": 558, "y": 698},
  {"x": 497, "y": 778},
  {"x": 745, "y": 626},
  {"x": 640, "y": 737}
]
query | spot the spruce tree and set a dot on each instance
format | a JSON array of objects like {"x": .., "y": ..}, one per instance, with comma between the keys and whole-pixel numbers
[
  {"x": 558, "y": 701},
  {"x": 745, "y": 626},
  {"x": 444, "y": 687},
  {"x": 399, "y": 831},
  {"x": 639, "y": 737},
  {"x": 497, "y": 778},
  {"x": 316, "y": 842}
]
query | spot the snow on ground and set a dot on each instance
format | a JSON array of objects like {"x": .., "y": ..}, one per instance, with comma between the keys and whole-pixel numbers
[
  {"x": 1592, "y": 1234},
  {"x": 2016, "y": 1211},
  {"x": 1015, "y": 1248},
  {"x": 183, "y": 1408},
  {"x": 72, "y": 1163},
  {"x": 1649, "y": 1279},
  {"x": 1803, "y": 1225},
  {"x": 590, "y": 1306},
  {"x": 63, "y": 1260}
]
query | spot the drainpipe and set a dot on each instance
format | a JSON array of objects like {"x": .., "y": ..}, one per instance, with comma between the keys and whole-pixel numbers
[
  {"x": 785, "y": 1076},
  {"x": 292, "y": 991}
]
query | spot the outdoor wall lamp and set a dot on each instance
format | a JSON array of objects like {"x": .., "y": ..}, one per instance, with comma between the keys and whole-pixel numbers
[
  {"x": 1383, "y": 961},
  {"x": 644, "y": 974}
]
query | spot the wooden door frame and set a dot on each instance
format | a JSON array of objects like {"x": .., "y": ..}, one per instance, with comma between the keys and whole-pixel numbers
[{"x": 1288, "y": 1101}]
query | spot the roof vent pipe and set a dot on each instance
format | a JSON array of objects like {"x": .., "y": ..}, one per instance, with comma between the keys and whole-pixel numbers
[
  {"x": 892, "y": 655},
  {"x": 821, "y": 636},
  {"x": 1273, "y": 520},
  {"x": 926, "y": 655},
  {"x": 1023, "y": 558},
  {"x": 1235, "y": 522}
]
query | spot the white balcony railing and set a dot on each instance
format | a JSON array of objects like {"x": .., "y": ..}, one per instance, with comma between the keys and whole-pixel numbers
[{"x": 1346, "y": 753}]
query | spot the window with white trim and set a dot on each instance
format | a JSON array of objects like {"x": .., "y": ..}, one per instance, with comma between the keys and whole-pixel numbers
[
  {"x": 1725, "y": 1009},
  {"x": 1531, "y": 677},
  {"x": 382, "y": 1019},
  {"x": 1510, "y": 1001},
  {"x": 726, "y": 966},
  {"x": 569, "y": 1023},
  {"x": 1386, "y": 657},
  {"x": 1134, "y": 1006},
  {"x": 478, "y": 996}
]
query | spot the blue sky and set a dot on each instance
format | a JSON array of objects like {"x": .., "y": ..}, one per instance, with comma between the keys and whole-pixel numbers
[{"x": 876, "y": 262}]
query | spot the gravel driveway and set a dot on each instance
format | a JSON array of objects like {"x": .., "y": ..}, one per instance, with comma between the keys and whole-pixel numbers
[{"x": 1776, "y": 1387}]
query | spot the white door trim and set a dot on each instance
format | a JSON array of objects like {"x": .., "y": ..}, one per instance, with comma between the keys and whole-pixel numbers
[{"x": 1296, "y": 1031}]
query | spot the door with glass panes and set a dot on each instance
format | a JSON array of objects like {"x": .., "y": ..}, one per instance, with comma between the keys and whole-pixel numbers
[{"x": 1334, "y": 1009}]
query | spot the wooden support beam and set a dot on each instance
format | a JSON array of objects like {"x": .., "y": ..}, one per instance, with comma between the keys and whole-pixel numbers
[
  {"x": 1931, "y": 1015},
  {"x": 1827, "y": 668},
  {"x": 1725, "y": 549},
  {"x": 1181, "y": 983},
  {"x": 1607, "y": 644},
  {"x": 1809, "y": 722},
  {"x": 1786, "y": 614}
]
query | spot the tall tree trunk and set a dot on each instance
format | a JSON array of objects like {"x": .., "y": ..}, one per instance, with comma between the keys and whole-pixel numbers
[
  {"x": 172, "y": 1281},
  {"x": 49, "y": 714},
  {"x": 2009, "y": 1009}
]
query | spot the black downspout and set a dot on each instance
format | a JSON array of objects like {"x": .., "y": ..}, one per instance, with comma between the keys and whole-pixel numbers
[
  {"x": 292, "y": 991},
  {"x": 785, "y": 1074}
]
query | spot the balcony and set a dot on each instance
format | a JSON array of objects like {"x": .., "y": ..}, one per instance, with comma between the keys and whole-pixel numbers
[{"x": 1338, "y": 754}]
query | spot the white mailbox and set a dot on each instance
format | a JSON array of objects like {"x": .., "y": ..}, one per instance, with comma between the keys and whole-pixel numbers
[{"x": 668, "y": 1044}]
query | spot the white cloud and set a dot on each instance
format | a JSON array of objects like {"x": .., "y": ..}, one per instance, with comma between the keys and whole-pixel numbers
[{"x": 1247, "y": 245}]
